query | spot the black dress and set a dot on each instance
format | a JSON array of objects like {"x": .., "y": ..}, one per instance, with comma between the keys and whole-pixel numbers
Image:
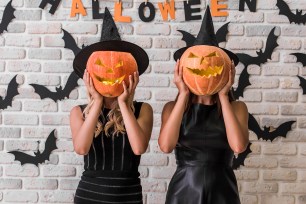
[
  {"x": 111, "y": 170},
  {"x": 204, "y": 174}
]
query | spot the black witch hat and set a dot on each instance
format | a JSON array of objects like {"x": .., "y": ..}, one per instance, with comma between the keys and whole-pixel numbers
[
  {"x": 110, "y": 41},
  {"x": 207, "y": 36}
]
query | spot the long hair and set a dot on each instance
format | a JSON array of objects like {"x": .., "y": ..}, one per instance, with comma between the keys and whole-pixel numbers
[{"x": 114, "y": 125}]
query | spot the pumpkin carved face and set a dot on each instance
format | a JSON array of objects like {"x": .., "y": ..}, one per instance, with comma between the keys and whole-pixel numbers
[
  {"x": 205, "y": 69},
  {"x": 108, "y": 69}
]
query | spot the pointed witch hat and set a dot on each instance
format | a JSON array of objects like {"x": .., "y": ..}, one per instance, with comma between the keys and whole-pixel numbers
[
  {"x": 206, "y": 36},
  {"x": 110, "y": 41}
]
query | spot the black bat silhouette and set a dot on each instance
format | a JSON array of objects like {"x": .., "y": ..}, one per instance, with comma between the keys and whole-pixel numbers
[
  {"x": 11, "y": 92},
  {"x": 237, "y": 162},
  {"x": 266, "y": 134},
  {"x": 70, "y": 43},
  {"x": 60, "y": 93},
  {"x": 300, "y": 57},
  {"x": 243, "y": 82},
  {"x": 262, "y": 57},
  {"x": 8, "y": 16},
  {"x": 293, "y": 17},
  {"x": 303, "y": 84},
  {"x": 220, "y": 35},
  {"x": 24, "y": 158}
]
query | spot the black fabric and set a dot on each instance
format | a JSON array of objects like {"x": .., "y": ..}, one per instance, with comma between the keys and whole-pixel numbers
[
  {"x": 204, "y": 158},
  {"x": 111, "y": 169}
]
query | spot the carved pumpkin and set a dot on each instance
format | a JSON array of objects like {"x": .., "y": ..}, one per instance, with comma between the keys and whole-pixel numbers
[
  {"x": 108, "y": 69},
  {"x": 205, "y": 69}
]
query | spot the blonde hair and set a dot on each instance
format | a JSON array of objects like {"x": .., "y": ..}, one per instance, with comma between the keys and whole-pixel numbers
[{"x": 114, "y": 125}]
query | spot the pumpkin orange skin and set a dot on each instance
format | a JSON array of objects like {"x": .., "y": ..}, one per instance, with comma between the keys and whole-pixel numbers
[
  {"x": 205, "y": 69},
  {"x": 108, "y": 69}
]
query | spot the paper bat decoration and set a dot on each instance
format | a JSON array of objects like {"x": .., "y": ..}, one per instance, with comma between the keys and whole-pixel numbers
[
  {"x": 237, "y": 162},
  {"x": 11, "y": 92},
  {"x": 8, "y": 16},
  {"x": 70, "y": 43},
  {"x": 243, "y": 82},
  {"x": 39, "y": 158},
  {"x": 266, "y": 134},
  {"x": 300, "y": 57},
  {"x": 303, "y": 84},
  {"x": 293, "y": 17},
  {"x": 220, "y": 35},
  {"x": 262, "y": 57},
  {"x": 60, "y": 93}
]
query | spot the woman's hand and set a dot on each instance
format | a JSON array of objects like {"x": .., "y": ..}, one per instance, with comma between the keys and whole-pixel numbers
[
  {"x": 178, "y": 79},
  {"x": 128, "y": 92},
  {"x": 224, "y": 91},
  {"x": 90, "y": 87}
]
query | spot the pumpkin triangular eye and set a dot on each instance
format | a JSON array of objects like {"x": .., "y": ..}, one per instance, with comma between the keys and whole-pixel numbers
[
  {"x": 191, "y": 55},
  {"x": 203, "y": 60},
  {"x": 99, "y": 62},
  {"x": 213, "y": 54},
  {"x": 119, "y": 64}
]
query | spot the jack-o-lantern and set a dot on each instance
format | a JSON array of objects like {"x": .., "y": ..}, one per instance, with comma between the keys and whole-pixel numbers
[
  {"x": 108, "y": 69},
  {"x": 205, "y": 69}
]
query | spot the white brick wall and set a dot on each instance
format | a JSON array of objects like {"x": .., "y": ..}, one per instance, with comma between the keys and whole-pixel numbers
[{"x": 33, "y": 48}]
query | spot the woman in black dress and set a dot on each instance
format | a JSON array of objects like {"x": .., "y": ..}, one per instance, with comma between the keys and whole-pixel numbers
[
  {"x": 205, "y": 131},
  {"x": 111, "y": 133}
]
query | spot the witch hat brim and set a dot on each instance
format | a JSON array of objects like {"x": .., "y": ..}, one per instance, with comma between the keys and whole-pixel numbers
[
  {"x": 206, "y": 36},
  {"x": 110, "y": 41}
]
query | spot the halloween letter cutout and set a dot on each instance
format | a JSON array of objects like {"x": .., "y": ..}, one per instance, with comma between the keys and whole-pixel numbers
[
  {"x": 95, "y": 10},
  {"x": 251, "y": 4},
  {"x": 141, "y": 8},
  {"x": 77, "y": 7},
  {"x": 118, "y": 14},
  {"x": 54, "y": 4},
  {"x": 215, "y": 8},
  {"x": 188, "y": 10},
  {"x": 167, "y": 8}
]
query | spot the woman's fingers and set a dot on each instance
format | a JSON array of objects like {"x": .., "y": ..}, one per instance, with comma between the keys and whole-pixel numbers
[{"x": 176, "y": 70}]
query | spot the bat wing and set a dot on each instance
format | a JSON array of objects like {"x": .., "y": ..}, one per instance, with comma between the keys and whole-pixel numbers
[
  {"x": 44, "y": 92},
  {"x": 271, "y": 44},
  {"x": 254, "y": 126},
  {"x": 243, "y": 82},
  {"x": 281, "y": 131},
  {"x": 12, "y": 91},
  {"x": 303, "y": 84},
  {"x": 24, "y": 158},
  {"x": 300, "y": 57},
  {"x": 50, "y": 145},
  {"x": 222, "y": 33},
  {"x": 187, "y": 37},
  {"x": 8, "y": 16},
  {"x": 237, "y": 162},
  {"x": 71, "y": 84},
  {"x": 70, "y": 43},
  {"x": 286, "y": 11},
  {"x": 246, "y": 59}
]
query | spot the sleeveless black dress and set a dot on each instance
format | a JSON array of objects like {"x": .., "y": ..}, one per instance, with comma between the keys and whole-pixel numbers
[
  {"x": 204, "y": 158},
  {"x": 111, "y": 170}
]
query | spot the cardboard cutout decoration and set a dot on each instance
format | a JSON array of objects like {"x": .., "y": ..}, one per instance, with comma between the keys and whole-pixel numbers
[
  {"x": 60, "y": 93},
  {"x": 141, "y": 8},
  {"x": 118, "y": 14},
  {"x": 166, "y": 9},
  {"x": 70, "y": 43},
  {"x": 262, "y": 57},
  {"x": 39, "y": 158},
  {"x": 54, "y": 5},
  {"x": 243, "y": 82},
  {"x": 12, "y": 91},
  {"x": 293, "y": 17},
  {"x": 300, "y": 57},
  {"x": 215, "y": 8},
  {"x": 239, "y": 160},
  {"x": 189, "y": 11},
  {"x": 108, "y": 69},
  {"x": 267, "y": 134},
  {"x": 8, "y": 16},
  {"x": 77, "y": 7},
  {"x": 303, "y": 84},
  {"x": 95, "y": 10},
  {"x": 251, "y": 4}
]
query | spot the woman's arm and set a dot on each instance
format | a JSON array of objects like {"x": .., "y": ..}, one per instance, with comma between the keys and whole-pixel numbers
[{"x": 83, "y": 130}]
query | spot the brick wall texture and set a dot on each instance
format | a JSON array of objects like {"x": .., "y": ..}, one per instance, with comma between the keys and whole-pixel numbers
[{"x": 33, "y": 49}]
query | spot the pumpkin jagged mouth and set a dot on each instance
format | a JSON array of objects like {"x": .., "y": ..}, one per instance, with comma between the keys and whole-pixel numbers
[
  {"x": 210, "y": 71},
  {"x": 110, "y": 82}
]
